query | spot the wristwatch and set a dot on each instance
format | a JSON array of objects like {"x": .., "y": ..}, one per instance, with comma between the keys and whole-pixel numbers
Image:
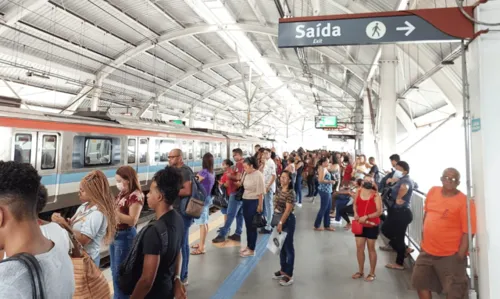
[{"x": 177, "y": 277}]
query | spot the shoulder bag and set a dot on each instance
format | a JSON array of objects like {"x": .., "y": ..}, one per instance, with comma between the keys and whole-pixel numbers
[
  {"x": 356, "y": 227},
  {"x": 90, "y": 283},
  {"x": 34, "y": 271},
  {"x": 192, "y": 206},
  {"x": 239, "y": 192}
]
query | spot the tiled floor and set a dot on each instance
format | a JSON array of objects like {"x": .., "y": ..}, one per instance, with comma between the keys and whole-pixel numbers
[{"x": 324, "y": 264}]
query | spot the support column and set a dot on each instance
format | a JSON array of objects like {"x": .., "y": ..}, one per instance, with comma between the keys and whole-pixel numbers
[
  {"x": 368, "y": 138},
  {"x": 388, "y": 96},
  {"x": 358, "y": 118},
  {"x": 483, "y": 64}
]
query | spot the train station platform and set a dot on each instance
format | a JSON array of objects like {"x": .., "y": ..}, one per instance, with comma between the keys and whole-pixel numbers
[{"x": 324, "y": 263}]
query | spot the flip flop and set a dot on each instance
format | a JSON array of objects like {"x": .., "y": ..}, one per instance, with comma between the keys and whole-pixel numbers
[
  {"x": 197, "y": 252},
  {"x": 370, "y": 277},
  {"x": 195, "y": 246},
  {"x": 394, "y": 267},
  {"x": 358, "y": 275}
]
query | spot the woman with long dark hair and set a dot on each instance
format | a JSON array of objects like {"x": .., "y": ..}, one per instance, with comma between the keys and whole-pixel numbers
[
  {"x": 253, "y": 197},
  {"x": 325, "y": 193},
  {"x": 284, "y": 204},
  {"x": 129, "y": 202},
  {"x": 207, "y": 179}
]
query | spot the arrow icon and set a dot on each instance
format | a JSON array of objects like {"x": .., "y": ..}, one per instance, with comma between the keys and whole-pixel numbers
[{"x": 409, "y": 28}]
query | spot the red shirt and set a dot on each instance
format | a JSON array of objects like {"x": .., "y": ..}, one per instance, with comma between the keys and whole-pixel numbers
[
  {"x": 223, "y": 180},
  {"x": 348, "y": 173},
  {"x": 238, "y": 168},
  {"x": 124, "y": 204},
  {"x": 365, "y": 207}
]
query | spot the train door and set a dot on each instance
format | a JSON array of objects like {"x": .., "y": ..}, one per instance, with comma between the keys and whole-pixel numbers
[
  {"x": 132, "y": 153},
  {"x": 137, "y": 157},
  {"x": 42, "y": 150}
]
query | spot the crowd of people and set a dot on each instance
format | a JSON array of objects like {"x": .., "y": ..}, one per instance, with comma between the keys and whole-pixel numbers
[{"x": 263, "y": 192}]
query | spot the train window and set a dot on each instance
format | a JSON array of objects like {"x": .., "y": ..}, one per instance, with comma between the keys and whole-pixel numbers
[
  {"x": 49, "y": 146},
  {"x": 97, "y": 151},
  {"x": 204, "y": 148},
  {"x": 162, "y": 148},
  {"x": 190, "y": 150},
  {"x": 197, "y": 150},
  {"x": 143, "y": 150},
  {"x": 22, "y": 148},
  {"x": 131, "y": 150}
]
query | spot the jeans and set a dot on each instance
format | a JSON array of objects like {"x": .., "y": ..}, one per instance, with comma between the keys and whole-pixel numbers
[
  {"x": 287, "y": 254},
  {"x": 268, "y": 209},
  {"x": 234, "y": 210},
  {"x": 316, "y": 185},
  {"x": 394, "y": 229},
  {"x": 298, "y": 188},
  {"x": 310, "y": 185},
  {"x": 324, "y": 210},
  {"x": 340, "y": 204},
  {"x": 118, "y": 251},
  {"x": 249, "y": 211},
  {"x": 185, "y": 247}
]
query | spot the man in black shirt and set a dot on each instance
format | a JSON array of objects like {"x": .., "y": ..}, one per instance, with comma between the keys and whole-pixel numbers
[
  {"x": 161, "y": 243},
  {"x": 374, "y": 170},
  {"x": 175, "y": 159}
]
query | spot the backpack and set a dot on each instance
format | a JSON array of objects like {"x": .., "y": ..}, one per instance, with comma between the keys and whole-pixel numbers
[
  {"x": 192, "y": 206},
  {"x": 34, "y": 271},
  {"x": 130, "y": 270}
]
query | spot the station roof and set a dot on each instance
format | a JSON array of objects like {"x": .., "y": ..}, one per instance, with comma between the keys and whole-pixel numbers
[{"x": 210, "y": 58}]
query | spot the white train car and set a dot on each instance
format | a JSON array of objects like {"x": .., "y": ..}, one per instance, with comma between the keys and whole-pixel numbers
[{"x": 65, "y": 148}]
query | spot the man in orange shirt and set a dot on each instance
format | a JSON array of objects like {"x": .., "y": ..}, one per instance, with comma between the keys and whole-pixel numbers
[{"x": 441, "y": 266}]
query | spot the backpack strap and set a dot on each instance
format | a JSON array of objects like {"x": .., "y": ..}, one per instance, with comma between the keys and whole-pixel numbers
[{"x": 34, "y": 270}]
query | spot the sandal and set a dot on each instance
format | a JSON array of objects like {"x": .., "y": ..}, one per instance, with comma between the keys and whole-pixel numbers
[
  {"x": 409, "y": 251},
  {"x": 358, "y": 275},
  {"x": 394, "y": 267},
  {"x": 197, "y": 252},
  {"x": 370, "y": 277},
  {"x": 195, "y": 246}
]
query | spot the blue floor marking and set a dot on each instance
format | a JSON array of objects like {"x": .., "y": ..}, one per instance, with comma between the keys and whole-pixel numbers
[{"x": 235, "y": 280}]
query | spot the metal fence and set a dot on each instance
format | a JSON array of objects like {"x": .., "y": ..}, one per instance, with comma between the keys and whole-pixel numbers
[{"x": 414, "y": 232}]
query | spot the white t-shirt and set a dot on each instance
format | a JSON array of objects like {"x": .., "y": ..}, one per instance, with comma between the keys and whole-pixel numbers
[
  {"x": 92, "y": 223},
  {"x": 57, "y": 234},
  {"x": 57, "y": 275},
  {"x": 269, "y": 171}
]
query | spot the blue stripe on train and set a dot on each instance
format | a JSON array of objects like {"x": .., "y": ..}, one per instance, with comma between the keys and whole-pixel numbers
[{"x": 66, "y": 178}]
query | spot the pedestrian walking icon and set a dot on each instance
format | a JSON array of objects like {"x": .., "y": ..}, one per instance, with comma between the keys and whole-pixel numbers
[{"x": 376, "y": 30}]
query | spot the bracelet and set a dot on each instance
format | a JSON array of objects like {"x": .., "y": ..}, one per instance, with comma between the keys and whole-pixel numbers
[{"x": 177, "y": 277}]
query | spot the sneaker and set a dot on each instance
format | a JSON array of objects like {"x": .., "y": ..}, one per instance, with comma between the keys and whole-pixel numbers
[
  {"x": 299, "y": 205},
  {"x": 235, "y": 237},
  {"x": 219, "y": 239},
  {"x": 286, "y": 281},
  {"x": 278, "y": 275}
]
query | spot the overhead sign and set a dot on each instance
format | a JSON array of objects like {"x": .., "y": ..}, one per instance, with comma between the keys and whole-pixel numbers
[
  {"x": 322, "y": 122},
  {"x": 445, "y": 24}
]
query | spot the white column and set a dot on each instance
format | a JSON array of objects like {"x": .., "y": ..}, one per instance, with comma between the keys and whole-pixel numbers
[
  {"x": 368, "y": 139},
  {"x": 483, "y": 64},
  {"x": 387, "y": 128}
]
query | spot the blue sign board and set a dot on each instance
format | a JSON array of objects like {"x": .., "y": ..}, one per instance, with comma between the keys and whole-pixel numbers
[{"x": 476, "y": 124}]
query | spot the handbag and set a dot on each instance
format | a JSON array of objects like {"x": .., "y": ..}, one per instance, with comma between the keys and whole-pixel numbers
[
  {"x": 90, "y": 283},
  {"x": 276, "y": 241},
  {"x": 356, "y": 227},
  {"x": 34, "y": 271},
  {"x": 196, "y": 202},
  {"x": 220, "y": 198},
  {"x": 259, "y": 221},
  {"x": 276, "y": 219},
  {"x": 239, "y": 193}
]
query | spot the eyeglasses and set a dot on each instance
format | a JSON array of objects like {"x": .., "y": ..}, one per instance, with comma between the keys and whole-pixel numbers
[
  {"x": 449, "y": 179},
  {"x": 171, "y": 157}
]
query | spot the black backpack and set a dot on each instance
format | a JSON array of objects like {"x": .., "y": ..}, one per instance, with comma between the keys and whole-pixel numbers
[
  {"x": 131, "y": 268},
  {"x": 34, "y": 270}
]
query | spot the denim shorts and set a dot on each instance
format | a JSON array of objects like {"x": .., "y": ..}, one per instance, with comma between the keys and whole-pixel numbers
[{"x": 204, "y": 215}]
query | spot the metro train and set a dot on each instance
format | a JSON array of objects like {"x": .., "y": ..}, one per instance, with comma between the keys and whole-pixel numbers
[{"x": 64, "y": 148}]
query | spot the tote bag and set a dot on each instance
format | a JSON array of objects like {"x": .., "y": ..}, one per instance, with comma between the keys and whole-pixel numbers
[{"x": 276, "y": 241}]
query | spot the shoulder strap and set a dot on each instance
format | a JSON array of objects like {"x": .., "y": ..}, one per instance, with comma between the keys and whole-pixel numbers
[{"x": 34, "y": 271}]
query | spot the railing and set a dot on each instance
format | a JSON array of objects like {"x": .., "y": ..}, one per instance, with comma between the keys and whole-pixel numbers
[{"x": 414, "y": 232}]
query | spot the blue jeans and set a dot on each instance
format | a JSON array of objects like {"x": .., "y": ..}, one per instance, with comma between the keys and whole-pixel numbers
[
  {"x": 234, "y": 210},
  {"x": 340, "y": 204},
  {"x": 118, "y": 251},
  {"x": 298, "y": 188},
  {"x": 249, "y": 211},
  {"x": 185, "y": 247},
  {"x": 324, "y": 210},
  {"x": 268, "y": 210},
  {"x": 287, "y": 254},
  {"x": 316, "y": 185}
]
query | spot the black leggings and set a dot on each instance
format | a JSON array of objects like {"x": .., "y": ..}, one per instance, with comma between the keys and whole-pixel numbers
[
  {"x": 346, "y": 211},
  {"x": 310, "y": 185}
]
